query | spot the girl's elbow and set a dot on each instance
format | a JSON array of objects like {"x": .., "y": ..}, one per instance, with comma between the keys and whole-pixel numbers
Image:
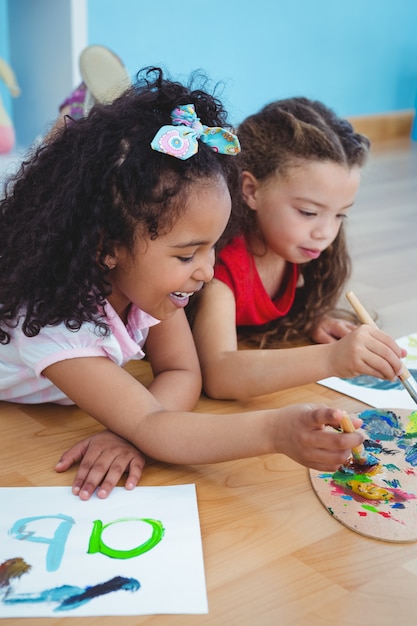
[{"x": 217, "y": 389}]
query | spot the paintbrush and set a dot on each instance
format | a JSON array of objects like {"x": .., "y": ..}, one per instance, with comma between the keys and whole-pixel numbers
[
  {"x": 360, "y": 455},
  {"x": 404, "y": 376}
]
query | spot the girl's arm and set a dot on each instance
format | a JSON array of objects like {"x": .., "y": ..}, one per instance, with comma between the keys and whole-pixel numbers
[
  {"x": 105, "y": 457},
  {"x": 329, "y": 329},
  {"x": 173, "y": 357},
  {"x": 117, "y": 400},
  {"x": 232, "y": 373}
]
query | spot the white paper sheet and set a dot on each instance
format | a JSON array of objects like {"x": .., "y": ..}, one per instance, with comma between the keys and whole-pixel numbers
[
  {"x": 135, "y": 553},
  {"x": 376, "y": 392}
]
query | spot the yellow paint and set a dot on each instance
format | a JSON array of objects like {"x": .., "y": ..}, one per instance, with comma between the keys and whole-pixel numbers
[
  {"x": 411, "y": 427},
  {"x": 370, "y": 491}
]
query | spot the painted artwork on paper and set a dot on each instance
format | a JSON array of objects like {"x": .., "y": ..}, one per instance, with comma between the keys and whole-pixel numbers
[
  {"x": 378, "y": 501},
  {"x": 376, "y": 391},
  {"x": 136, "y": 553}
]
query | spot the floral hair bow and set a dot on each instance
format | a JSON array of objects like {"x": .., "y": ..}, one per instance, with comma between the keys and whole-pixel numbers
[{"x": 180, "y": 139}]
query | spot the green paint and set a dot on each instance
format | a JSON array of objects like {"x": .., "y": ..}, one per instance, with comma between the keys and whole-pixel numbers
[
  {"x": 391, "y": 467},
  {"x": 343, "y": 477},
  {"x": 411, "y": 428},
  {"x": 371, "y": 508},
  {"x": 97, "y": 544}
]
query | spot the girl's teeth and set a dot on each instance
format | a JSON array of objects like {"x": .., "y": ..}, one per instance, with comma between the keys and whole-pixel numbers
[{"x": 182, "y": 294}]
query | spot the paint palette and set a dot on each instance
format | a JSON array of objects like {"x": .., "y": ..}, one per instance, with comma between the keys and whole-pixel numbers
[{"x": 380, "y": 502}]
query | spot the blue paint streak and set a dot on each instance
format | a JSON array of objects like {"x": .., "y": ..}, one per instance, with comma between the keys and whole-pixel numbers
[
  {"x": 395, "y": 483},
  {"x": 381, "y": 425},
  {"x": 371, "y": 382},
  {"x": 71, "y": 597},
  {"x": 411, "y": 455}
]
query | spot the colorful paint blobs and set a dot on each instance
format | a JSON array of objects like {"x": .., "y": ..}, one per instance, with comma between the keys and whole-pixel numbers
[
  {"x": 381, "y": 425},
  {"x": 136, "y": 553},
  {"x": 380, "y": 502},
  {"x": 65, "y": 596}
]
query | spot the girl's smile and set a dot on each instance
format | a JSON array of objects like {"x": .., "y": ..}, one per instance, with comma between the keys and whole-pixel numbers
[
  {"x": 180, "y": 299},
  {"x": 162, "y": 274}
]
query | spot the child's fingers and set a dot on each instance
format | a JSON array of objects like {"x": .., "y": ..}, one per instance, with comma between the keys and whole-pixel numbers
[
  {"x": 332, "y": 329},
  {"x": 338, "y": 415},
  {"x": 70, "y": 457},
  {"x": 383, "y": 354},
  {"x": 321, "y": 415},
  {"x": 104, "y": 474},
  {"x": 332, "y": 448},
  {"x": 113, "y": 476}
]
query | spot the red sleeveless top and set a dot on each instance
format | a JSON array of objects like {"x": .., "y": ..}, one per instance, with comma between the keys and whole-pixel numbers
[{"x": 235, "y": 267}]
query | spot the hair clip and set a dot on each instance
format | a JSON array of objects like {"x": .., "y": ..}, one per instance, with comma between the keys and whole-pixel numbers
[{"x": 180, "y": 139}]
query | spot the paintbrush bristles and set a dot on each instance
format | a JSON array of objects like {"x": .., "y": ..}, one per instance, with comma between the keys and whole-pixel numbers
[{"x": 361, "y": 456}]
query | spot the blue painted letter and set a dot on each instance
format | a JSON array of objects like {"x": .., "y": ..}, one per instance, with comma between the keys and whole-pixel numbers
[{"x": 56, "y": 543}]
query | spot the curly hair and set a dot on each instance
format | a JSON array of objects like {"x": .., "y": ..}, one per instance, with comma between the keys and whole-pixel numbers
[
  {"x": 282, "y": 135},
  {"x": 88, "y": 189}
]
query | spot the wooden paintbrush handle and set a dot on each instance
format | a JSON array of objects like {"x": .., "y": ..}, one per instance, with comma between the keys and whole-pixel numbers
[
  {"x": 360, "y": 311},
  {"x": 348, "y": 427},
  {"x": 365, "y": 318},
  {"x": 346, "y": 424}
]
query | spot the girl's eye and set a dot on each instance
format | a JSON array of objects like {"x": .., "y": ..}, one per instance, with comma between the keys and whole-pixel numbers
[
  {"x": 185, "y": 259},
  {"x": 307, "y": 213},
  {"x": 342, "y": 216}
]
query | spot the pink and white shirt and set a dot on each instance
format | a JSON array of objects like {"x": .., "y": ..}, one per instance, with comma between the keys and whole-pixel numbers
[{"x": 23, "y": 359}]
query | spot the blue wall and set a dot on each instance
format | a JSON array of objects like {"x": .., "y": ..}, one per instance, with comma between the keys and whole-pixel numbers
[
  {"x": 4, "y": 53},
  {"x": 358, "y": 56}
]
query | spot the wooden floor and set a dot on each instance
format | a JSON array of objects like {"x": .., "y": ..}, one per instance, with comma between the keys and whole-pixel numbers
[
  {"x": 273, "y": 554},
  {"x": 382, "y": 230}
]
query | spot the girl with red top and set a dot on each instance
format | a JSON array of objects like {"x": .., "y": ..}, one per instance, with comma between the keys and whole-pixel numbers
[
  {"x": 106, "y": 232},
  {"x": 282, "y": 263}
]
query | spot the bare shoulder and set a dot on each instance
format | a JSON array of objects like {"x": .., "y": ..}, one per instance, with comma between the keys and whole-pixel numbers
[{"x": 217, "y": 292}]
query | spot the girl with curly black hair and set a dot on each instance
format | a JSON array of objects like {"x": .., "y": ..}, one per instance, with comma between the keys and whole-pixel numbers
[
  {"x": 105, "y": 233},
  {"x": 283, "y": 261}
]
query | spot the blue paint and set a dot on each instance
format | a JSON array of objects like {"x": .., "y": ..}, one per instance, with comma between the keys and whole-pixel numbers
[
  {"x": 71, "y": 597},
  {"x": 381, "y": 425},
  {"x": 371, "y": 382},
  {"x": 411, "y": 454},
  {"x": 392, "y": 483},
  {"x": 56, "y": 543}
]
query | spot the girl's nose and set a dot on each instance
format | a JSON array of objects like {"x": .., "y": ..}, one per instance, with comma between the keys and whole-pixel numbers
[
  {"x": 204, "y": 273},
  {"x": 205, "y": 270},
  {"x": 325, "y": 230}
]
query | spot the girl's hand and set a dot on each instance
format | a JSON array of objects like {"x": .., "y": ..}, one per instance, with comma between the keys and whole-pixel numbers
[
  {"x": 104, "y": 457},
  {"x": 330, "y": 329},
  {"x": 369, "y": 351},
  {"x": 302, "y": 434}
]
